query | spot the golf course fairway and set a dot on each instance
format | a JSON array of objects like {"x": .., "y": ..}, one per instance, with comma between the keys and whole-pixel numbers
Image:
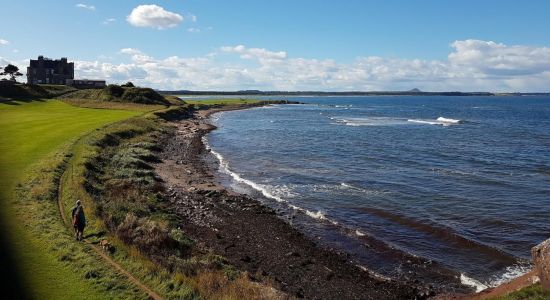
[{"x": 32, "y": 131}]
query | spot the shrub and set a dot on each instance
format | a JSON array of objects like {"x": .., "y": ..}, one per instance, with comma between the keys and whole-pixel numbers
[{"x": 114, "y": 90}]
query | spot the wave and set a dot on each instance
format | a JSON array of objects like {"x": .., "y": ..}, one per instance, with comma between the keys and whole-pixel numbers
[
  {"x": 439, "y": 121},
  {"x": 448, "y": 120},
  {"x": 224, "y": 168},
  {"x": 266, "y": 192},
  {"x": 371, "y": 121},
  {"x": 359, "y": 233},
  {"x": 389, "y": 121},
  {"x": 511, "y": 273},
  {"x": 468, "y": 281}
]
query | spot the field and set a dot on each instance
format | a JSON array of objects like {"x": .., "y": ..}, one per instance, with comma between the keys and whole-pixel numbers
[{"x": 34, "y": 136}]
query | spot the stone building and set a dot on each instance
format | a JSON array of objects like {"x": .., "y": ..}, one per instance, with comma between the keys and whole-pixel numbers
[{"x": 47, "y": 71}]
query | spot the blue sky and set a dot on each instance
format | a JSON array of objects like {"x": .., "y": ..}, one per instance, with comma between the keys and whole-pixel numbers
[{"x": 327, "y": 45}]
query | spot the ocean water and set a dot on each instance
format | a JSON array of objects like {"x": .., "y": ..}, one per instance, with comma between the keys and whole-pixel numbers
[{"x": 463, "y": 182}]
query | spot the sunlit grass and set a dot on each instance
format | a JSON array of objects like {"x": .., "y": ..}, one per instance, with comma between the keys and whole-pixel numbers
[{"x": 34, "y": 138}]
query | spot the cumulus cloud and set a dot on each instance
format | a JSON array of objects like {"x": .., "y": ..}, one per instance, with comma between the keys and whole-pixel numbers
[
  {"x": 471, "y": 66},
  {"x": 500, "y": 60},
  {"x": 153, "y": 16},
  {"x": 130, "y": 51},
  {"x": 4, "y": 42},
  {"x": 254, "y": 53},
  {"x": 85, "y": 6},
  {"x": 193, "y": 30}
]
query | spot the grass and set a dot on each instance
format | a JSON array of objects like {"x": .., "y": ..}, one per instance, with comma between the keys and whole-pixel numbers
[
  {"x": 101, "y": 156},
  {"x": 222, "y": 101},
  {"x": 87, "y": 103},
  {"x": 23, "y": 91},
  {"x": 115, "y": 93},
  {"x": 34, "y": 139},
  {"x": 534, "y": 292},
  {"x": 85, "y": 153}
]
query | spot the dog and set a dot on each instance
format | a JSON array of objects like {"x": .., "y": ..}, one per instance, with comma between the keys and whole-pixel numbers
[{"x": 106, "y": 246}]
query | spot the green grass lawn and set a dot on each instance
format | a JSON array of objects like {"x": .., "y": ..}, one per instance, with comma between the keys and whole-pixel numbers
[{"x": 31, "y": 133}]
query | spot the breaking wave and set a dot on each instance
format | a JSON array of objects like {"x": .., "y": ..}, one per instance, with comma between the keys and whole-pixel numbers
[
  {"x": 389, "y": 121},
  {"x": 439, "y": 121},
  {"x": 468, "y": 281},
  {"x": 264, "y": 190}
]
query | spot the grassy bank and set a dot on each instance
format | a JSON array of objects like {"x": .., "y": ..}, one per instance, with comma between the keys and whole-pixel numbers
[
  {"x": 534, "y": 292},
  {"x": 111, "y": 172}
]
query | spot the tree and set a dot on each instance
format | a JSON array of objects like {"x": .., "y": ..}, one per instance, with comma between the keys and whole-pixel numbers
[
  {"x": 12, "y": 71},
  {"x": 128, "y": 84}
]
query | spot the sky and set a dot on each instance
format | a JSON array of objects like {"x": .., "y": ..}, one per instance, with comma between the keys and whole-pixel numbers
[{"x": 352, "y": 45}]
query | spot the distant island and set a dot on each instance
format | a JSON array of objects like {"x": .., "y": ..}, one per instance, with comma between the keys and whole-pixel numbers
[{"x": 412, "y": 92}]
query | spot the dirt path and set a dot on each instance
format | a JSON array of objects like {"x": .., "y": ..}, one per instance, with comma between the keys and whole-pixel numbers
[{"x": 101, "y": 253}]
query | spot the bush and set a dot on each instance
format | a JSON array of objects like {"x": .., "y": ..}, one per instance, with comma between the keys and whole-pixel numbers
[
  {"x": 114, "y": 90},
  {"x": 128, "y": 84}
]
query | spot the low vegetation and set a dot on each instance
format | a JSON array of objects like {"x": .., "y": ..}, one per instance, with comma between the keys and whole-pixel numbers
[
  {"x": 116, "y": 93},
  {"x": 31, "y": 92},
  {"x": 534, "y": 292},
  {"x": 115, "y": 177}
]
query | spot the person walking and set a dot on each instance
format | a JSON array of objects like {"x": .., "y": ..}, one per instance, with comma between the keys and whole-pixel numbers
[{"x": 79, "y": 220}]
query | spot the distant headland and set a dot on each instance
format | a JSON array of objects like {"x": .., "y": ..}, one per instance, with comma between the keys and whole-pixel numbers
[{"x": 413, "y": 92}]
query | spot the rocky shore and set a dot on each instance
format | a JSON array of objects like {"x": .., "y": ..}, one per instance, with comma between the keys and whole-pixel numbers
[{"x": 251, "y": 236}]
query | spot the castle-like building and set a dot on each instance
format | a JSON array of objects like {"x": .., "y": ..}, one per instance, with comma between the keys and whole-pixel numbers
[
  {"x": 48, "y": 71},
  {"x": 60, "y": 71}
]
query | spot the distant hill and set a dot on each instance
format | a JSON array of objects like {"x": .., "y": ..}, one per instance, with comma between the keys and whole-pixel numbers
[
  {"x": 116, "y": 93},
  {"x": 415, "y": 90}
]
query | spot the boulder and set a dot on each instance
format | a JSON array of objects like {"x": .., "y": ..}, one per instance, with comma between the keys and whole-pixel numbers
[{"x": 541, "y": 259}]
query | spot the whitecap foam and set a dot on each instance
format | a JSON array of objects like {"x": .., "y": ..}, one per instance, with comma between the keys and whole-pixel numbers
[
  {"x": 468, "y": 281},
  {"x": 359, "y": 233},
  {"x": 263, "y": 189},
  {"x": 423, "y": 122},
  {"x": 316, "y": 215},
  {"x": 448, "y": 120},
  {"x": 439, "y": 121},
  {"x": 370, "y": 121},
  {"x": 224, "y": 168},
  {"x": 510, "y": 273}
]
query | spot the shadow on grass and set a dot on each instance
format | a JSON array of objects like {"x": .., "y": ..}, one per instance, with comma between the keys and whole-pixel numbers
[
  {"x": 13, "y": 286},
  {"x": 19, "y": 101}
]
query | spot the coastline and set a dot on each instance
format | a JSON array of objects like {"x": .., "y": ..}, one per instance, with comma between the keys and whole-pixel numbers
[{"x": 251, "y": 236}]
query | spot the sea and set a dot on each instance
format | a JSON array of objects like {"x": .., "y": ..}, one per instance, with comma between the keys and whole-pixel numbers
[{"x": 459, "y": 183}]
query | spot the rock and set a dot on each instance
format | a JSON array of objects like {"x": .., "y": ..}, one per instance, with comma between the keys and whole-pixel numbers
[{"x": 541, "y": 259}]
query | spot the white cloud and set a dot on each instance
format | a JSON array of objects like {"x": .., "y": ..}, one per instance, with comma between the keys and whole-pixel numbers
[
  {"x": 108, "y": 21},
  {"x": 252, "y": 53},
  {"x": 471, "y": 66},
  {"x": 4, "y": 42},
  {"x": 500, "y": 60},
  {"x": 193, "y": 30},
  {"x": 85, "y": 6},
  {"x": 130, "y": 51},
  {"x": 153, "y": 16}
]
